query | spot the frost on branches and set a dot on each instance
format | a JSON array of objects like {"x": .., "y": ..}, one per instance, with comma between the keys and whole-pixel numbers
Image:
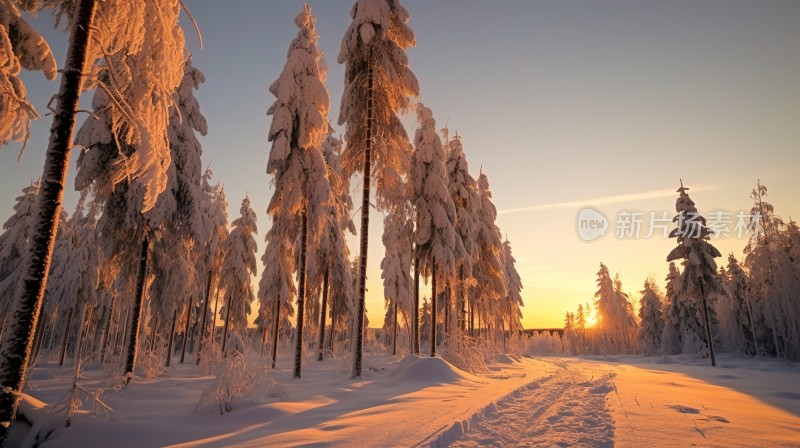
[
  {"x": 20, "y": 47},
  {"x": 374, "y": 45}
]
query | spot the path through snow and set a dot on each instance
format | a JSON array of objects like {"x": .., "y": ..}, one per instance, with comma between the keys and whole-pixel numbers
[{"x": 566, "y": 408}]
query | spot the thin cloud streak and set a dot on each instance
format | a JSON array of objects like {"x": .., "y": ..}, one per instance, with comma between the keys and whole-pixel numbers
[{"x": 631, "y": 197}]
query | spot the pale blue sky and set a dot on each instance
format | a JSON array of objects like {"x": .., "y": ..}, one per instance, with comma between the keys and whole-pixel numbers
[{"x": 558, "y": 101}]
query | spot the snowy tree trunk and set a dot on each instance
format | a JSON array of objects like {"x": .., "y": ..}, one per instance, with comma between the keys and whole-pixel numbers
[
  {"x": 16, "y": 348},
  {"x": 323, "y": 314},
  {"x": 79, "y": 339},
  {"x": 446, "y": 308},
  {"x": 275, "y": 332},
  {"x": 263, "y": 339},
  {"x": 214, "y": 317},
  {"x": 415, "y": 313},
  {"x": 364, "y": 234},
  {"x": 65, "y": 338},
  {"x": 332, "y": 336},
  {"x": 708, "y": 327},
  {"x": 227, "y": 321},
  {"x": 107, "y": 329},
  {"x": 172, "y": 338},
  {"x": 203, "y": 323},
  {"x": 154, "y": 324},
  {"x": 37, "y": 341},
  {"x": 394, "y": 330},
  {"x": 301, "y": 295},
  {"x": 433, "y": 312},
  {"x": 133, "y": 339},
  {"x": 186, "y": 328},
  {"x": 120, "y": 338}
]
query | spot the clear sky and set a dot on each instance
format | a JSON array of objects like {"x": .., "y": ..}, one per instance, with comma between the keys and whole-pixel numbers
[{"x": 564, "y": 104}]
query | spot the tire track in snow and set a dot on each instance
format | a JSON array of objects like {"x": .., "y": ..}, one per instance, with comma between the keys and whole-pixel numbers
[{"x": 565, "y": 409}]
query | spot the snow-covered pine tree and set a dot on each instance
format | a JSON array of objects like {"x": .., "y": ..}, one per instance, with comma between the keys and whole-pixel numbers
[
  {"x": 773, "y": 281},
  {"x": 147, "y": 54},
  {"x": 699, "y": 281},
  {"x": 616, "y": 322},
  {"x": 489, "y": 269},
  {"x": 570, "y": 341},
  {"x": 435, "y": 237},
  {"x": 513, "y": 302},
  {"x": 21, "y": 47},
  {"x": 302, "y": 192},
  {"x": 735, "y": 312},
  {"x": 17, "y": 345},
  {"x": 75, "y": 274},
  {"x": 378, "y": 85},
  {"x": 176, "y": 249},
  {"x": 463, "y": 190},
  {"x": 331, "y": 256},
  {"x": 276, "y": 289},
  {"x": 398, "y": 234},
  {"x": 651, "y": 318},
  {"x": 238, "y": 266},
  {"x": 671, "y": 336},
  {"x": 215, "y": 217},
  {"x": 13, "y": 244}
]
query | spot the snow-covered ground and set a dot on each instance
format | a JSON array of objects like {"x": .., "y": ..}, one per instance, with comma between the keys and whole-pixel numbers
[{"x": 418, "y": 401}]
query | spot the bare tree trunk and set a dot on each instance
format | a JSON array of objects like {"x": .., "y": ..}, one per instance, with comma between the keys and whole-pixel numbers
[
  {"x": 323, "y": 313},
  {"x": 16, "y": 349},
  {"x": 415, "y": 313},
  {"x": 172, "y": 337},
  {"x": 186, "y": 329},
  {"x": 65, "y": 338},
  {"x": 136, "y": 311},
  {"x": 203, "y": 324},
  {"x": 275, "y": 332},
  {"x": 301, "y": 295},
  {"x": 433, "y": 312},
  {"x": 364, "y": 234}
]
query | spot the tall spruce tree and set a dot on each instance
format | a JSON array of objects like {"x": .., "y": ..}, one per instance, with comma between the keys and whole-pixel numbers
[
  {"x": 435, "y": 237},
  {"x": 238, "y": 266},
  {"x": 651, "y": 318},
  {"x": 302, "y": 190},
  {"x": 378, "y": 85},
  {"x": 699, "y": 281}
]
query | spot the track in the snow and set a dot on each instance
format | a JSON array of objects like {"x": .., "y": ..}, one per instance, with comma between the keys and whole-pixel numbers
[{"x": 567, "y": 408}]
